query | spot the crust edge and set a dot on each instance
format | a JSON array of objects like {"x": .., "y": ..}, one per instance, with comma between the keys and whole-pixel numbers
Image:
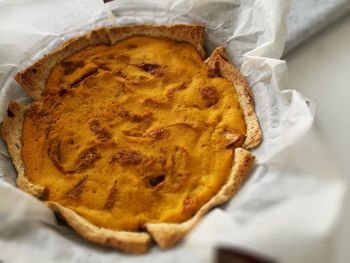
[
  {"x": 219, "y": 60},
  {"x": 166, "y": 235},
  {"x": 133, "y": 242},
  {"x": 11, "y": 132},
  {"x": 33, "y": 79}
]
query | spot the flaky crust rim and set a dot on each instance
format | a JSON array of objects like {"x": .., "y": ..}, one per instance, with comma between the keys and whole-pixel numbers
[
  {"x": 218, "y": 60},
  {"x": 33, "y": 80}
]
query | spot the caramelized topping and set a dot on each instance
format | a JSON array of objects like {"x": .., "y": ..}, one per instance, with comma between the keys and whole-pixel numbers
[
  {"x": 209, "y": 95},
  {"x": 158, "y": 134},
  {"x": 127, "y": 157},
  {"x": 77, "y": 189},
  {"x": 84, "y": 160},
  {"x": 103, "y": 135},
  {"x": 112, "y": 196},
  {"x": 87, "y": 158},
  {"x": 54, "y": 151},
  {"x": 131, "y": 46}
]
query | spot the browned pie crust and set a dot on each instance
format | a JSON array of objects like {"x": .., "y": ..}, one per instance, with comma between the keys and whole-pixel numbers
[
  {"x": 219, "y": 60},
  {"x": 33, "y": 80}
]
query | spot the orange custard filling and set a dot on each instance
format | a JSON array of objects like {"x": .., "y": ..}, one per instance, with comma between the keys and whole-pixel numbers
[{"x": 138, "y": 132}]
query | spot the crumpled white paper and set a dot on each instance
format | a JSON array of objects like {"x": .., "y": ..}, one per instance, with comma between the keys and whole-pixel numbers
[{"x": 288, "y": 207}]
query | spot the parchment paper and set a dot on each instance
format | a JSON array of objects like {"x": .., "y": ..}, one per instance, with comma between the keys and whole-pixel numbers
[{"x": 288, "y": 207}]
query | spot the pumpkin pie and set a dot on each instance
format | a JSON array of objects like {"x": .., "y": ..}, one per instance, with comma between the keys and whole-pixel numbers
[{"x": 132, "y": 135}]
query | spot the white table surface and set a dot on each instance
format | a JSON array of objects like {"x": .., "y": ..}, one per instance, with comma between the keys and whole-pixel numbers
[{"x": 320, "y": 69}]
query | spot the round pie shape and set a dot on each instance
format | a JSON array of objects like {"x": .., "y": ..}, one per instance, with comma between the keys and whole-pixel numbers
[{"x": 131, "y": 134}]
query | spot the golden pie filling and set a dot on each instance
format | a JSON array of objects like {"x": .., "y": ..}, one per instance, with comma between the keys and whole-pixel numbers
[{"x": 138, "y": 132}]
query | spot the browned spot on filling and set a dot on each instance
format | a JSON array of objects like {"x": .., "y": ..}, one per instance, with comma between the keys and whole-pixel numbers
[
  {"x": 127, "y": 88},
  {"x": 85, "y": 76},
  {"x": 150, "y": 68},
  {"x": 131, "y": 46},
  {"x": 87, "y": 158},
  {"x": 71, "y": 66},
  {"x": 102, "y": 134},
  {"x": 209, "y": 95},
  {"x": 112, "y": 196},
  {"x": 77, "y": 189},
  {"x": 158, "y": 134},
  {"x": 140, "y": 117},
  {"x": 54, "y": 152},
  {"x": 170, "y": 93},
  {"x": 132, "y": 133},
  {"x": 124, "y": 113},
  {"x": 121, "y": 74},
  {"x": 111, "y": 56},
  {"x": 142, "y": 77},
  {"x": 189, "y": 204},
  {"x": 123, "y": 59},
  {"x": 127, "y": 157},
  {"x": 154, "y": 103},
  {"x": 62, "y": 92},
  {"x": 105, "y": 67},
  {"x": 136, "y": 117},
  {"x": 154, "y": 181},
  {"x": 64, "y": 88}
]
